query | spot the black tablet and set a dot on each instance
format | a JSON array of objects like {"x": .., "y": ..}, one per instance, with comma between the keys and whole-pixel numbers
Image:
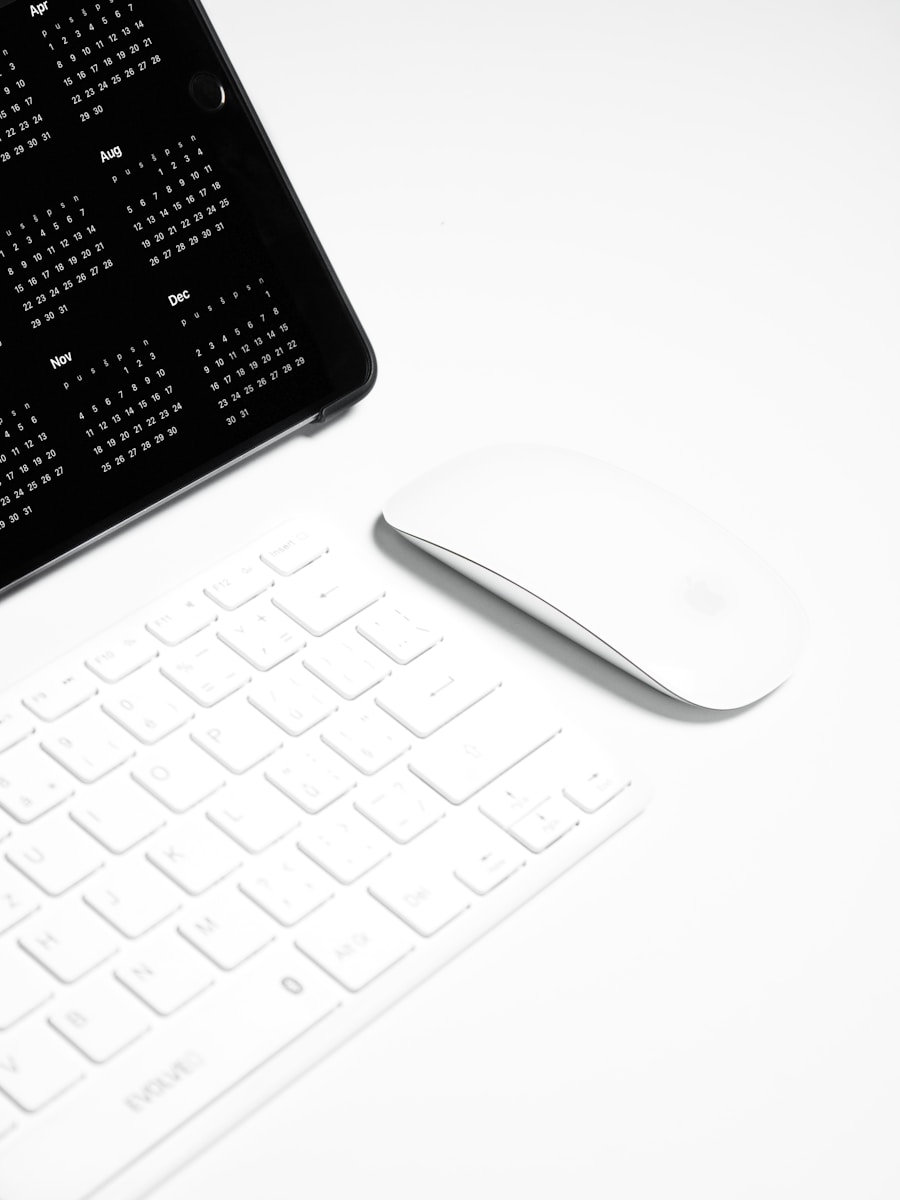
[{"x": 165, "y": 306}]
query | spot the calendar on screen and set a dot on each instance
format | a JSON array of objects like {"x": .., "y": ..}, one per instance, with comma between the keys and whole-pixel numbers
[{"x": 165, "y": 307}]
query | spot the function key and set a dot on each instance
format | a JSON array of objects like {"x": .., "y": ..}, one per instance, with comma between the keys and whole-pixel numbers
[
  {"x": 238, "y": 584},
  {"x": 56, "y": 695},
  {"x": 122, "y": 657},
  {"x": 180, "y": 620}
]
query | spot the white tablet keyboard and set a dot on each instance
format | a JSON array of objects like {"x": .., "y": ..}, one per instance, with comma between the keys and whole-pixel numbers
[{"x": 233, "y": 831}]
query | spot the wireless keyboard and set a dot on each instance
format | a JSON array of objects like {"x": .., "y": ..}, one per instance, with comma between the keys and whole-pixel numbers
[{"x": 235, "y": 829}]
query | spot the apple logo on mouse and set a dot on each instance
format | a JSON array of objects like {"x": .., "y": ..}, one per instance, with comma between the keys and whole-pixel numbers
[{"x": 703, "y": 598}]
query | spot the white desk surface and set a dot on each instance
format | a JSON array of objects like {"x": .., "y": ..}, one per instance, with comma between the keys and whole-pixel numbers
[{"x": 667, "y": 234}]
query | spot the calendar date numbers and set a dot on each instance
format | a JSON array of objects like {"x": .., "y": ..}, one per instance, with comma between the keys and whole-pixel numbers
[
  {"x": 49, "y": 254},
  {"x": 29, "y": 463},
  {"x": 98, "y": 48},
  {"x": 22, "y": 125},
  {"x": 125, "y": 404},
  {"x": 245, "y": 343}
]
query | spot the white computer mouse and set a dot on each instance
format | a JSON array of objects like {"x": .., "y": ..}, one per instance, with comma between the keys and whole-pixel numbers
[{"x": 624, "y": 568}]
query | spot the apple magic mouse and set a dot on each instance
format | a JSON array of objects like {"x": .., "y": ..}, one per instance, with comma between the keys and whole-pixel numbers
[{"x": 622, "y": 567}]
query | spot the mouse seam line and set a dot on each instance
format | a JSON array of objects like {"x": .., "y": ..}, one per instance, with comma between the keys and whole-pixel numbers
[{"x": 512, "y": 583}]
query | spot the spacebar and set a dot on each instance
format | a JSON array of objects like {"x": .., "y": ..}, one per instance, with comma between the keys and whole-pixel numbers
[{"x": 160, "y": 1085}]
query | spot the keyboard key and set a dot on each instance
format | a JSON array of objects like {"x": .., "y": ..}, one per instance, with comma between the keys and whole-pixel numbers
[
  {"x": 489, "y": 863},
  {"x": 505, "y": 805},
  {"x": 287, "y": 886},
  {"x": 403, "y": 809},
  {"x": 100, "y": 1019},
  {"x": 238, "y": 583},
  {"x": 398, "y": 635},
  {"x": 18, "y": 898},
  {"x": 133, "y": 897},
  {"x": 238, "y": 737},
  {"x": 87, "y": 747},
  {"x": 480, "y": 745},
  {"x": 349, "y": 666},
  {"x": 426, "y": 901},
  {"x": 69, "y": 942},
  {"x": 347, "y": 847},
  {"x": 30, "y": 784},
  {"x": 311, "y": 775},
  {"x": 366, "y": 738},
  {"x": 527, "y": 802},
  {"x": 118, "y": 813},
  {"x": 15, "y": 726},
  {"x": 354, "y": 939},
  {"x": 165, "y": 973},
  {"x": 592, "y": 790},
  {"x": 25, "y": 986},
  {"x": 289, "y": 554},
  {"x": 195, "y": 856},
  {"x": 293, "y": 700},
  {"x": 255, "y": 815},
  {"x": 56, "y": 857},
  {"x": 36, "y": 1066},
  {"x": 149, "y": 708},
  {"x": 324, "y": 595},
  {"x": 179, "y": 774},
  {"x": 228, "y": 929},
  {"x": 545, "y": 824},
  {"x": 434, "y": 691},
  {"x": 122, "y": 657},
  {"x": 261, "y": 635},
  {"x": 180, "y": 619},
  {"x": 207, "y": 672},
  {"x": 57, "y": 695}
]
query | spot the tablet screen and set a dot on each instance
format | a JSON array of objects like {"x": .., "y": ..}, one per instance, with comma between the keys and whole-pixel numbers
[{"x": 165, "y": 307}]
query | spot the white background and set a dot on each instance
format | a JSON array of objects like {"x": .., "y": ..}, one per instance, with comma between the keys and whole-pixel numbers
[{"x": 666, "y": 234}]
